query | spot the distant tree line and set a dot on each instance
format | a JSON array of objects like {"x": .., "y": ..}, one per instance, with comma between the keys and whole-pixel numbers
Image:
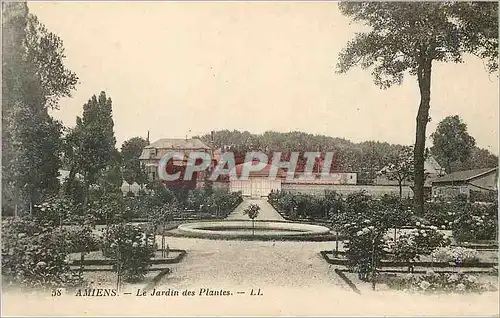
[{"x": 366, "y": 158}]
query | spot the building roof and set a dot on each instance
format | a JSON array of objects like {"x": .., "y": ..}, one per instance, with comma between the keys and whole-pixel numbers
[
  {"x": 178, "y": 143},
  {"x": 433, "y": 167},
  {"x": 465, "y": 175}
]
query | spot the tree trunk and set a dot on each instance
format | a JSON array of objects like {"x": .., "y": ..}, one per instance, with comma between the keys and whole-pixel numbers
[
  {"x": 17, "y": 199},
  {"x": 400, "y": 189},
  {"x": 70, "y": 180},
  {"x": 86, "y": 197},
  {"x": 82, "y": 260},
  {"x": 424, "y": 82}
]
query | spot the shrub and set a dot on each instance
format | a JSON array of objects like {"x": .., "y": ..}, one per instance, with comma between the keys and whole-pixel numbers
[
  {"x": 458, "y": 255},
  {"x": 33, "y": 255},
  {"x": 405, "y": 248},
  {"x": 441, "y": 213},
  {"x": 365, "y": 223},
  {"x": 480, "y": 196},
  {"x": 365, "y": 249},
  {"x": 428, "y": 238},
  {"x": 54, "y": 210},
  {"x": 476, "y": 222},
  {"x": 440, "y": 282},
  {"x": 81, "y": 240},
  {"x": 161, "y": 215},
  {"x": 107, "y": 208},
  {"x": 132, "y": 247},
  {"x": 420, "y": 241}
]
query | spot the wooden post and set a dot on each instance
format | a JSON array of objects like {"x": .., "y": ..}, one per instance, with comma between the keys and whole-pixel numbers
[
  {"x": 118, "y": 269},
  {"x": 336, "y": 241},
  {"x": 82, "y": 260},
  {"x": 373, "y": 262}
]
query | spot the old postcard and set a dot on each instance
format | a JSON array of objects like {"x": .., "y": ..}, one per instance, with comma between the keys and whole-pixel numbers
[{"x": 258, "y": 158}]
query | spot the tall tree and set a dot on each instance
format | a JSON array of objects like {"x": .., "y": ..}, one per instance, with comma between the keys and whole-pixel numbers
[
  {"x": 32, "y": 83},
  {"x": 132, "y": 169},
  {"x": 452, "y": 144},
  {"x": 409, "y": 37},
  {"x": 90, "y": 146}
]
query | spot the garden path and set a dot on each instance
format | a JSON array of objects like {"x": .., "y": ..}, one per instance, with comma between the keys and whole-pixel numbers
[
  {"x": 293, "y": 279},
  {"x": 267, "y": 212},
  {"x": 250, "y": 264}
]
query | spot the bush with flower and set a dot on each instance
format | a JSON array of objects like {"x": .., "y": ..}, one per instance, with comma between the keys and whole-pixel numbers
[
  {"x": 81, "y": 239},
  {"x": 476, "y": 221},
  {"x": 432, "y": 282},
  {"x": 457, "y": 255},
  {"x": 442, "y": 214},
  {"x": 107, "y": 208},
  {"x": 417, "y": 242},
  {"x": 54, "y": 211},
  {"x": 34, "y": 255},
  {"x": 365, "y": 222},
  {"x": 132, "y": 247}
]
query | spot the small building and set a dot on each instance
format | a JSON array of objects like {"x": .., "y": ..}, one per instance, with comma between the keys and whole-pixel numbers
[
  {"x": 465, "y": 182},
  {"x": 258, "y": 184}
]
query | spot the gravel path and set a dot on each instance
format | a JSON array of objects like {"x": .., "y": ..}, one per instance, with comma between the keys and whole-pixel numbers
[
  {"x": 267, "y": 212},
  {"x": 250, "y": 263},
  {"x": 294, "y": 280}
]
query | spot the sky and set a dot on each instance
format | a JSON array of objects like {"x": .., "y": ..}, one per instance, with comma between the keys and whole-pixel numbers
[{"x": 186, "y": 68}]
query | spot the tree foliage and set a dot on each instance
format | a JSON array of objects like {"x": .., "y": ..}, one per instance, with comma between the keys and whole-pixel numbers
[
  {"x": 452, "y": 143},
  {"x": 400, "y": 167},
  {"x": 90, "y": 146},
  {"x": 33, "y": 79},
  {"x": 408, "y": 37},
  {"x": 132, "y": 169},
  {"x": 365, "y": 158}
]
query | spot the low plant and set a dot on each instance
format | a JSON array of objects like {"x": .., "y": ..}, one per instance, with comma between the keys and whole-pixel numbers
[
  {"x": 34, "y": 255},
  {"x": 476, "y": 222},
  {"x": 432, "y": 282},
  {"x": 458, "y": 255},
  {"x": 252, "y": 211}
]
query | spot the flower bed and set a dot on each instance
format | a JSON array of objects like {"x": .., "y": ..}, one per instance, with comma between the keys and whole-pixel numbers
[
  {"x": 340, "y": 258},
  {"x": 432, "y": 282}
]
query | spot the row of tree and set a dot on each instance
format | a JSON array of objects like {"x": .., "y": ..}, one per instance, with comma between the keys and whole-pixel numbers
[
  {"x": 453, "y": 148},
  {"x": 35, "y": 146},
  {"x": 34, "y": 78},
  {"x": 404, "y": 37}
]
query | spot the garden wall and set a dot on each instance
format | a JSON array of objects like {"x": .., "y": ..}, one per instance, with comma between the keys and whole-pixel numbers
[{"x": 319, "y": 189}]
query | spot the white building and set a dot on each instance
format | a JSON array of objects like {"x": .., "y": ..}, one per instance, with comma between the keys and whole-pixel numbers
[{"x": 259, "y": 184}]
